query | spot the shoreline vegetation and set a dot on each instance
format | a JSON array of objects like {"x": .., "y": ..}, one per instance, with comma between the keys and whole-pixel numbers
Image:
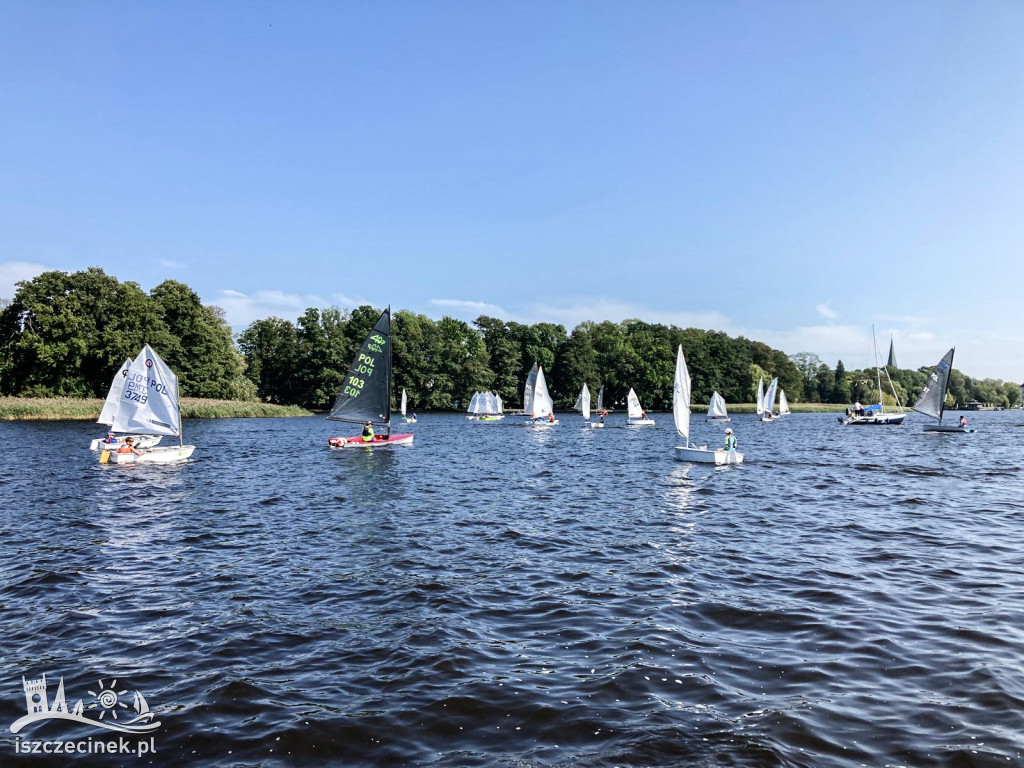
[{"x": 88, "y": 409}]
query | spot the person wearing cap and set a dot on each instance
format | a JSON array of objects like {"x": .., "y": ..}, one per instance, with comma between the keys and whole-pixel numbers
[
  {"x": 368, "y": 432},
  {"x": 110, "y": 439},
  {"x": 730, "y": 440}
]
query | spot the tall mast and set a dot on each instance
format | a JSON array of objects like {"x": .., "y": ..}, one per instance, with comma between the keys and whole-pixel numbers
[{"x": 390, "y": 341}]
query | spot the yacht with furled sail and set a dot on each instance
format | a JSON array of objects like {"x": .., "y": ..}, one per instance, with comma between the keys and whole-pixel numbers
[
  {"x": 365, "y": 396},
  {"x": 875, "y": 415}
]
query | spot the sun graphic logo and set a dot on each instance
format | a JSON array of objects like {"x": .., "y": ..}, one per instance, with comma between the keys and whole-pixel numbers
[
  {"x": 114, "y": 714},
  {"x": 108, "y": 700}
]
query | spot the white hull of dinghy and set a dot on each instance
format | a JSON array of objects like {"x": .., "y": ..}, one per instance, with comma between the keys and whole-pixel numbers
[
  {"x": 141, "y": 441},
  {"x": 640, "y": 423},
  {"x": 949, "y": 428},
  {"x": 704, "y": 456},
  {"x": 163, "y": 455}
]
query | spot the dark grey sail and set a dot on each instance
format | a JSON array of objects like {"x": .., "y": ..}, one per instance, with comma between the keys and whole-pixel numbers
[
  {"x": 933, "y": 397},
  {"x": 366, "y": 392}
]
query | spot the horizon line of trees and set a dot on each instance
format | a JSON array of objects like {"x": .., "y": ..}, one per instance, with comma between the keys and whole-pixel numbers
[{"x": 66, "y": 334}]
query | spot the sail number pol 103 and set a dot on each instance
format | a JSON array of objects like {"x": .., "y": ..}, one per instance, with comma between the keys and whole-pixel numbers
[{"x": 364, "y": 365}]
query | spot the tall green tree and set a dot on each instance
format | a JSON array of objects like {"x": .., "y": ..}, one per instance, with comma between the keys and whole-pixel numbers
[
  {"x": 204, "y": 355},
  {"x": 67, "y": 334},
  {"x": 271, "y": 350}
]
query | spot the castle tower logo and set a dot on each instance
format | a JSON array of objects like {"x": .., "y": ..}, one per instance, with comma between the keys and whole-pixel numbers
[{"x": 114, "y": 709}]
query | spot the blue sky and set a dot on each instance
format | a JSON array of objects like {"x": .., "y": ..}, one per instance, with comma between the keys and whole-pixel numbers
[{"x": 794, "y": 172}]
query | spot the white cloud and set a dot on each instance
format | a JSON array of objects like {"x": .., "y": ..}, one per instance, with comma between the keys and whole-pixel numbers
[
  {"x": 12, "y": 272},
  {"x": 242, "y": 309},
  {"x": 475, "y": 308},
  {"x": 826, "y": 311}
]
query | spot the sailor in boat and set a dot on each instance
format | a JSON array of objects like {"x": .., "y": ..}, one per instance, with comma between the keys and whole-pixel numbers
[
  {"x": 963, "y": 421},
  {"x": 643, "y": 415},
  {"x": 730, "y": 439},
  {"x": 128, "y": 446},
  {"x": 601, "y": 420},
  {"x": 551, "y": 416},
  {"x": 368, "y": 432}
]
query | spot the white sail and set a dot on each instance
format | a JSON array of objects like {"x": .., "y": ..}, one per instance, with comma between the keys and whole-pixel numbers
[
  {"x": 681, "y": 397},
  {"x": 542, "y": 404},
  {"x": 531, "y": 382},
  {"x": 583, "y": 402},
  {"x": 404, "y": 401},
  {"x": 474, "y": 403},
  {"x": 633, "y": 403},
  {"x": 114, "y": 395},
  {"x": 600, "y": 399},
  {"x": 760, "y": 397},
  {"x": 783, "y": 403},
  {"x": 488, "y": 403},
  {"x": 501, "y": 405},
  {"x": 149, "y": 399},
  {"x": 717, "y": 409},
  {"x": 769, "y": 397}
]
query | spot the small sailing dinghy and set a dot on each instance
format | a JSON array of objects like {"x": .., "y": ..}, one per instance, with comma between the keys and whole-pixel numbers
[
  {"x": 768, "y": 403},
  {"x": 583, "y": 406},
  {"x": 716, "y": 409},
  {"x": 542, "y": 408},
  {"x": 405, "y": 402},
  {"x": 681, "y": 414},
  {"x": 365, "y": 396},
  {"x": 489, "y": 408},
  {"x": 636, "y": 416},
  {"x": 148, "y": 405},
  {"x": 112, "y": 442},
  {"x": 783, "y": 403},
  {"x": 932, "y": 401}
]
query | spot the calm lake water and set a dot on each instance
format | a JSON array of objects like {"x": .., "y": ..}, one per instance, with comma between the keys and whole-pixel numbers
[{"x": 496, "y": 595}]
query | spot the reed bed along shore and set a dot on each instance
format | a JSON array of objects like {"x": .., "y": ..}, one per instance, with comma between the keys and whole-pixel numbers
[{"x": 88, "y": 409}]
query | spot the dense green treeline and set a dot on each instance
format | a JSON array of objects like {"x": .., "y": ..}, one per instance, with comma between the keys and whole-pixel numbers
[
  {"x": 442, "y": 362},
  {"x": 63, "y": 335}
]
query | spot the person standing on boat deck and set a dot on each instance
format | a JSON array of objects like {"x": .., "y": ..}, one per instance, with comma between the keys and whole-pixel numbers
[
  {"x": 730, "y": 439},
  {"x": 368, "y": 433}
]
